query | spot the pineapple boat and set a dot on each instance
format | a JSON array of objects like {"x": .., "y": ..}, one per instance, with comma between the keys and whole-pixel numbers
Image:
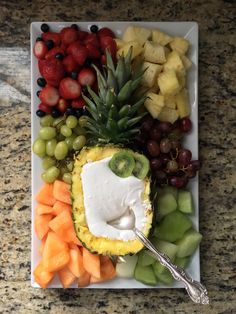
[{"x": 109, "y": 178}]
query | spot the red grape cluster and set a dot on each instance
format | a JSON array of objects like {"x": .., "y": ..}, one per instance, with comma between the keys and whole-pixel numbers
[{"x": 170, "y": 162}]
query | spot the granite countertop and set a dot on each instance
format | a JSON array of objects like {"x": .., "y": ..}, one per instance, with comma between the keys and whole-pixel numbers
[{"x": 217, "y": 113}]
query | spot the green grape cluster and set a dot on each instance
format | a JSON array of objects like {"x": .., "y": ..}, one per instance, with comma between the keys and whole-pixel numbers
[{"x": 57, "y": 141}]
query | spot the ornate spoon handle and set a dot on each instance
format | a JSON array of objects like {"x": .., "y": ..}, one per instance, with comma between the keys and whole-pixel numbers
[{"x": 195, "y": 289}]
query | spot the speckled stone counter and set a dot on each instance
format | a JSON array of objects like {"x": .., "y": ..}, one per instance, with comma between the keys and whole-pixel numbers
[{"x": 217, "y": 115}]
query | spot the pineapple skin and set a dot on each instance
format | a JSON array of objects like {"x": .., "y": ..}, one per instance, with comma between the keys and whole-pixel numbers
[{"x": 95, "y": 244}]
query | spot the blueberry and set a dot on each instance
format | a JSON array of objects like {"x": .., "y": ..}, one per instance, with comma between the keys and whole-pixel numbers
[
  {"x": 44, "y": 28},
  {"x": 38, "y": 93},
  {"x": 55, "y": 113},
  {"x": 75, "y": 26},
  {"x": 40, "y": 113},
  {"x": 49, "y": 43},
  {"x": 38, "y": 39},
  {"x": 41, "y": 82},
  {"x": 70, "y": 111},
  {"x": 78, "y": 112},
  {"x": 94, "y": 28},
  {"x": 59, "y": 56},
  {"x": 74, "y": 75},
  {"x": 88, "y": 62}
]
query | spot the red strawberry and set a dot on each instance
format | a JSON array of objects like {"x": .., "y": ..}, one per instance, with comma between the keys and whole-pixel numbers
[
  {"x": 45, "y": 108},
  {"x": 78, "y": 103},
  {"x": 82, "y": 35},
  {"x": 52, "y": 52},
  {"x": 55, "y": 37},
  {"x": 49, "y": 95},
  {"x": 105, "y": 31},
  {"x": 53, "y": 71},
  {"x": 80, "y": 54},
  {"x": 103, "y": 59},
  {"x": 69, "y": 88},
  {"x": 69, "y": 64},
  {"x": 86, "y": 77},
  {"x": 92, "y": 39},
  {"x": 41, "y": 64},
  {"x": 40, "y": 49},
  {"x": 68, "y": 35},
  {"x": 93, "y": 52},
  {"x": 62, "y": 105},
  {"x": 108, "y": 43},
  {"x": 72, "y": 47}
]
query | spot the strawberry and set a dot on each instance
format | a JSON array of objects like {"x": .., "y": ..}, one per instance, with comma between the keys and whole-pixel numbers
[
  {"x": 49, "y": 95},
  {"x": 55, "y": 37},
  {"x": 62, "y": 105},
  {"x": 108, "y": 43},
  {"x": 69, "y": 64},
  {"x": 80, "y": 54},
  {"x": 69, "y": 88},
  {"x": 52, "y": 52},
  {"x": 53, "y": 71},
  {"x": 82, "y": 35},
  {"x": 93, "y": 52},
  {"x": 78, "y": 103},
  {"x": 91, "y": 39},
  {"x": 86, "y": 77},
  {"x": 70, "y": 49},
  {"x": 68, "y": 35},
  {"x": 45, "y": 108},
  {"x": 41, "y": 64},
  {"x": 40, "y": 49},
  {"x": 103, "y": 59},
  {"x": 105, "y": 31}
]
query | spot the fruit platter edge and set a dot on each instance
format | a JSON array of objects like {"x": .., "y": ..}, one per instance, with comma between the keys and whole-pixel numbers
[{"x": 189, "y": 30}]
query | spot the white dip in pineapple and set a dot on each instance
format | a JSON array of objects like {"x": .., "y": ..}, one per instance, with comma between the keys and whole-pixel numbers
[{"x": 108, "y": 197}]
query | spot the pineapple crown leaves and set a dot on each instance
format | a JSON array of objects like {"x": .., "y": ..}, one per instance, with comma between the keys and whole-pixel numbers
[{"x": 114, "y": 111}]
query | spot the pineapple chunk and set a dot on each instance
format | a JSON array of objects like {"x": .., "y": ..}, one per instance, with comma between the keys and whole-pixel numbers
[
  {"x": 186, "y": 61},
  {"x": 170, "y": 102},
  {"x": 154, "y": 52},
  {"x": 181, "y": 78},
  {"x": 154, "y": 104},
  {"x": 167, "y": 51},
  {"x": 182, "y": 103},
  {"x": 119, "y": 43},
  {"x": 150, "y": 75},
  {"x": 168, "y": 114},
  {"x": 139, "y": 34},
  {"x": 136, "y": 49},
  {"x": 168, "y": 83},
  {"x": 174, "y": 62},
  {"x": 179, "y": 44},
  {"x": 160, "y": 37}
]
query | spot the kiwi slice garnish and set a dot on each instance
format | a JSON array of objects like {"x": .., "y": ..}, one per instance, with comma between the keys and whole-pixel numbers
[
  {"x": 142, "y": 166},
  {"x": 122, "y": 164}
]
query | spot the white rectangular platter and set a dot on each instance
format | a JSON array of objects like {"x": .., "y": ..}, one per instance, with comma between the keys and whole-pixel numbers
[{"x": 189, "y": 30}]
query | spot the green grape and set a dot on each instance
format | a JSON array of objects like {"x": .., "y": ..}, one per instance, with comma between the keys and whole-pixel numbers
[
  {"x": 79, "y": 131},
  {"x": 79, "y": 142},
  {"x": 58, "y": 122},
  {"x": 46, "y": 120},
  {"x": 48, "y": 162},
  {"x": 60, "y": 137},
  {"x": 51, "y": 146},
  {"x": 66, "y": 131},
  {"x": 70, "y": 165},
  {"x": 51, "y": 174},
  {"x": 39, "y": 147},
  {"x": 83, "y": 121},
  {"x": 61, "y": 150},
  {"x": 69, "y": 141},
  {"x": 71, "y": 122},
  {"x": 67, "y": 177},
  {"x": 47, "y": 133}
]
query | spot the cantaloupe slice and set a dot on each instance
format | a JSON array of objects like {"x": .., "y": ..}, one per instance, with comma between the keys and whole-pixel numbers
[
  {"x": 56, "y": 253},
  {"x": 84, "y": 280},
  {"x": 75, "y": 264},
  {"x": 61, "y": 192},
  {"x": 42, "y": 276},
  {"x": 43, "y": 209},
  {"x": 41, "y": 248},
  {"x": 45, "y": 195},
  {"x": 41, "y": 225},
  {"x": 107, "y": 270},
  {"x": 91, "y": 263},
  {"x": 66, "y": 277},
  {"x": 63, "y": 226},
  {"x": 59, "y": 207}
]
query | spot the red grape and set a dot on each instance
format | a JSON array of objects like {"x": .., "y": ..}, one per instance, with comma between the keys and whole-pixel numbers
[
  {"x": 185, "y": 125},
  {"x": 175, "y": 144},
  {"x": 165, "y": 145},
  {"x": 191, "y": 172},
  {"x": 184, "y": 157},
  {"x": 155, "y": 163},
  {"x": 155, "y": 134},
  {"x": 177, "y": 182},
  {"x": 153, "y": 148},
  {"x": 161, "y": 176},
  {"x": 172, "y": 166},
  {"x": 196, "y": 164},
  {"x": 147, "y": 123},
  {"x": 165, "y": 127}
]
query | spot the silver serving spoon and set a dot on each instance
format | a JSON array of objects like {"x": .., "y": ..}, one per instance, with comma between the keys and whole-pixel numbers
[{"x": 195, "y": 289}]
